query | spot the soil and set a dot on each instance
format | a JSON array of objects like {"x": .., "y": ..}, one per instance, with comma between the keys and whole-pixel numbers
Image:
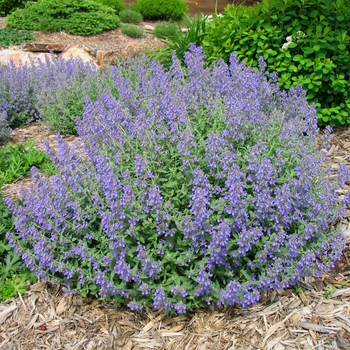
[{"x": 314, "y": 316}]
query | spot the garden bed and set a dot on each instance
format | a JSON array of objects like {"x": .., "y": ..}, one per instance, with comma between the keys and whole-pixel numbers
[{"x": 314, "y": 315}]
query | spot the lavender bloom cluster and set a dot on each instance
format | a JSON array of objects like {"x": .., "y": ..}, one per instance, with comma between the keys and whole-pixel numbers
[
  {"x": 52, "y": 91},
  {"x": 199, "y": 185}
]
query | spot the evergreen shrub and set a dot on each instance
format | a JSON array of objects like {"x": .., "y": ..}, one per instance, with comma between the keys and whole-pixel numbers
[
  {"x": 308, "y": 46},
  {"x": 198, "y": 185},
  {"x": 130, "y": 16},
  {"x": 79, "y": 17},
  {"x": 8, "y": 6},
  {"x": 117, "y": 5},
  {"x": 161, "y": 9}
]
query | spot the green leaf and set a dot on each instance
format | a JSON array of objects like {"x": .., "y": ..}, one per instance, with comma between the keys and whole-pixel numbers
[{"x": 341, "y": 47}]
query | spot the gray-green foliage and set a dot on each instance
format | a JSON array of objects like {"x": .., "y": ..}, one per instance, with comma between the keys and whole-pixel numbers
[
  {"x": 9, "y": 36},
  {"x": 164, "y": 30},
  {"x": 132, "y": 30},
  {"x": 79, "y": 17},
  {"x": 130, "y": 16}
]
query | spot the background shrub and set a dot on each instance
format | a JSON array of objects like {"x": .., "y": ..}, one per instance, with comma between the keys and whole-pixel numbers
[
  {"x": 130, "y": 16},
  {"x": 132, "y": 30},
  {"x": 195, "y": 191},
  {"x": 117, "y": 5},
  {"x": 161, "y": 9},
  {"x": 8, "y": 6},
  {"x": 10, "y": 36},
  {"x": 180, "y": 41},
  {"x": 80, "y": 17},
  {"x": 316, "y": 55},
  {"x": 164, "y": 30}
]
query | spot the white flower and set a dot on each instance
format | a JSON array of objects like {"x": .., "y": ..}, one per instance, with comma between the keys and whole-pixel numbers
[{"x": 285, "y": 45}]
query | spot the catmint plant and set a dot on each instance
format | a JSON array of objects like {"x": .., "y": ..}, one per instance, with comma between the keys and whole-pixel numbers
[
  {"x": 198, "y": 185},
  {"x": 52, "y": 91},
  {"x": 4, "y": 126}
]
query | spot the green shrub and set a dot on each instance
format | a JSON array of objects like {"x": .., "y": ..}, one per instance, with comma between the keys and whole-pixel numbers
[
  {"x": 130, "y": 16},
  {"x": 161, "y": 9},
  {"x": 308, "y": 47},
  {"x": 132, "y": 30},
  {"x": 8, "y": 6},
  {"x": 10, "y": 36},
  {"x": 80, "y": 17},
  {"x": 165, "y": 30},
  {"x": 117, "y": 5}
]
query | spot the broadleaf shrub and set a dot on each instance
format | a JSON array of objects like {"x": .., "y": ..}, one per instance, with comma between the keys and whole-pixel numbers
[
  {"x": 79, "y": 17},
  {"x": 161, "y": 9},
  {"x": 193, "y": 190},
  {"x": 309, "y": 46}
]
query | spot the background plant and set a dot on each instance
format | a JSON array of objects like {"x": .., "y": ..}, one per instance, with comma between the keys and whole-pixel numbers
[
  {"x": 79, "y": 17},
  {"x": 7, "y": 6},
  {"x": 132, "y": 30},
  {"x": 160, "y": 9},
  {"x": 10, "y": 36},
  {"x": 179, "y": 42},
  {"x": 194, "y": 190},
  {"x": 165, "y": 29},
  {"x": 319, "y": 61},
  {"x": 116, "y": 5},
  {"x": 130, "y": 16}
]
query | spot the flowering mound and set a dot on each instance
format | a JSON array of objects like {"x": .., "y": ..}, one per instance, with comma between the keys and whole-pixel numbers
[{"x": 199, "y": 185}]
